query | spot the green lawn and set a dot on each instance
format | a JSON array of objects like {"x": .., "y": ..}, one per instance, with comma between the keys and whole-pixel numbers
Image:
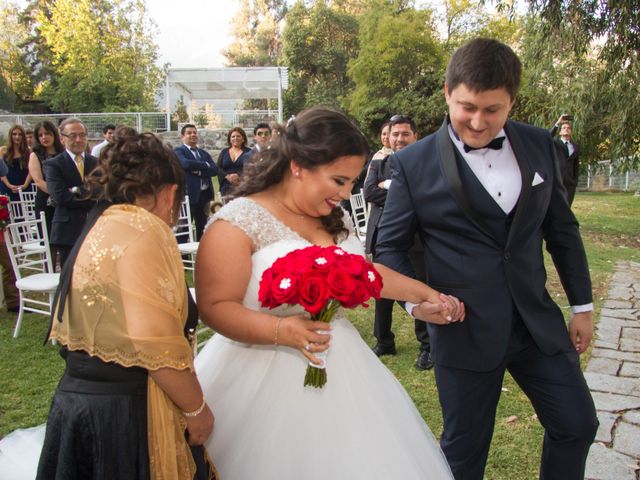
[{"x": 610, "y": 224}]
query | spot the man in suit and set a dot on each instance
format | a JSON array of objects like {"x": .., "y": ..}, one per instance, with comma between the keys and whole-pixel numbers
[
  {"x": 402, "y": 132},
  {"x": 65, "y": 174},
  {"x": 483, "y": 194},
  {"x": 199, "y": 168},
  {"x": 567, "y": 152},
  {"x": 261, "y": 137}
]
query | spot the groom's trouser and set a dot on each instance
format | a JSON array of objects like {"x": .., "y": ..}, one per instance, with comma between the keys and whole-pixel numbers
[{"x": 559, "y": 394}]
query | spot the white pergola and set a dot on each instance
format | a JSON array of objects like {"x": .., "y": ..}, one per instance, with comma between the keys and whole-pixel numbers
[{"x": 234, "y": 83}]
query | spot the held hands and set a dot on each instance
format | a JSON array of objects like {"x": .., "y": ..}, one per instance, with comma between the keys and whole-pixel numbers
[
  {"x": 440, "y": 310},
  {"x": 300, "y": 333},
  {"x": 581, "y": 330},
  {"x": 200, "y": 426}
]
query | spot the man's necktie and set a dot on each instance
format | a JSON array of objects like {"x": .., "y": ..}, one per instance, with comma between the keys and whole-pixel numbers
[
  {"x": 495, "y": 144},
  {"x": 80, "y": 164},
  {"x": 195, "y": 153}
]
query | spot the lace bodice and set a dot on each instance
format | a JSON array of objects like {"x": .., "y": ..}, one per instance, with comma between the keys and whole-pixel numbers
[{"x": 271, "y": 239}]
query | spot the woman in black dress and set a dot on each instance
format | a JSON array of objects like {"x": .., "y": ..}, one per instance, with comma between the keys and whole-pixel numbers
[
  {"x": 46, "y": 144},
  {"x": 129, "y": 405},
  {"x": 17, "y": 158},
  {"x": 231, "y": 160}
]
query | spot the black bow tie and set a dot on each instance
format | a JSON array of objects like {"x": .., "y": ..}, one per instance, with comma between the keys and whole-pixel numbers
[{"x": 495, "y": 144}]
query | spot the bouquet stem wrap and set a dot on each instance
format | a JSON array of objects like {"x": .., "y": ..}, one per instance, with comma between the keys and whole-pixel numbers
[{"x": 316, "y": 375}]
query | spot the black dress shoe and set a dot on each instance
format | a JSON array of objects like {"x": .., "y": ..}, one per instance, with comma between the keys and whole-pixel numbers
[
  {"x": 380, "y": 350},
  {"x": 424, "y": 361}
]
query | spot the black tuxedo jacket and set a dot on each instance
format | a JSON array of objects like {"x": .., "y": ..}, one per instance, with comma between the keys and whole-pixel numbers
[
  {"x": 497, "y": 278},
  {"x": 197, "y": 170},
  {"x": 379, "y": 171},
  {"x": 71, "y": 210}
]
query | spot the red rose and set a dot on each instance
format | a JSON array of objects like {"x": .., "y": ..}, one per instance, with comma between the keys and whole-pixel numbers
[
  {"x": 373, "y": 280},
  {"x": 264, "y": 293},
  {"x": 314, "y": 293},
  {"x": 359, "y": 296},
  {"x": 284, "y": 289},
  {"x": 4, "y": 200},
  {"x": 341, "y": 284},
  {"x": 352, "y": 264}
]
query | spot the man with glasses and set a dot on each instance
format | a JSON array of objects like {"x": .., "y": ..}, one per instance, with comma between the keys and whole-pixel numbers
[
  {"x": 65, "y": 174},
  {"x": 401, "y": 134},
  {"x": 261, "y": 137}
]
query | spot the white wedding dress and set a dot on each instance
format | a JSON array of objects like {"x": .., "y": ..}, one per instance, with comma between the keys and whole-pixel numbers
[{"x": 361, "y": 425}]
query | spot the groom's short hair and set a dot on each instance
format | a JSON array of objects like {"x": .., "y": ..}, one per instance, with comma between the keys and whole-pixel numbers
[{"x": 484, "y": 64}]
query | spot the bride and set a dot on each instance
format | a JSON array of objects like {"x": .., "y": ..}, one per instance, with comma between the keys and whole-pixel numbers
[{"x": 362, "y": 424}]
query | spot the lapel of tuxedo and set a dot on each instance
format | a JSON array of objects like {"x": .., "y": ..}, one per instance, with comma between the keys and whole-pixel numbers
[
  {"x": 526, "y": 172},
  {"x": 450, "y": 168}
]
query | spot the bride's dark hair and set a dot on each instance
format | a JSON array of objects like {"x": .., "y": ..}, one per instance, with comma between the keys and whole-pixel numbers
[{"x": 315, "y": 137}]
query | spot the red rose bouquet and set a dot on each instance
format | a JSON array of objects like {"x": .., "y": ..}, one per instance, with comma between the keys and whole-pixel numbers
[
  {"x": 320, "y": 279},
  {"x": 5, "y": 217}
]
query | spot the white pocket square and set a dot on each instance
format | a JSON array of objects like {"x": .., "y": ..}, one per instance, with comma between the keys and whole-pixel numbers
[{"x": 537, "y": 180}]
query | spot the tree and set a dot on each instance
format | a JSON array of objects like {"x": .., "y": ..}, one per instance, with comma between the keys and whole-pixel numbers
[
  {"x": 399, "y": 68},
  {"x": 256, "y": 28},
  {"x": 318, "y": 43},
  {"x": 15, "y": 76},
  {"x": 97, "y": 55},
  {"x": 180, "y": 114},
  {"x": 604, "y": 38}
]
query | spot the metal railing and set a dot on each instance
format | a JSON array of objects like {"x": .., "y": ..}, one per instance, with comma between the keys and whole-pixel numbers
[
  {"x": 143, "y": 121},
  {"x": 605, "y": 176}
]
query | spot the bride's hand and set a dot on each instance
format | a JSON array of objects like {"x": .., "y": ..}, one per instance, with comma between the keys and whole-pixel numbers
[
  {"x": 297, "y": 331},
  {"x": 441, "y": 310}
]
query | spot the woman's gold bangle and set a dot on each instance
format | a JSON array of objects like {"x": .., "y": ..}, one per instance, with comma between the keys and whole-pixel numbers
[
  {"x": 197, "y": 411},
  {"x": 275, "y": 340}
]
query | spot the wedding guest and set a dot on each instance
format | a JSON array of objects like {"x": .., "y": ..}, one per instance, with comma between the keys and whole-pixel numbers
[
  {"x": 483, "y": 195},
  {"x": 46, "y": 145},
  {"x": 261, "y": 137},
  {"x": 129, "y": 404},
  {"x": 107, "y": 135},
  {"x": 386, "y": 149},
  {"x": 11, "y": 295},
  {"x": 568, "y": 155},
  {"x": 17, "y": 159},
  {"x": 231, "y": 160},
  {"x": 29, "y": 134},
  {"x": 362, "y": 424}
]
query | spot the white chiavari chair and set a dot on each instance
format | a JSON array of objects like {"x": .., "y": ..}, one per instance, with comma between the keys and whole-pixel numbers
[
  {"x": 184, "y": 233},
  {"x": 35, "y": 277},
  {"x": 360, "y": 215}
]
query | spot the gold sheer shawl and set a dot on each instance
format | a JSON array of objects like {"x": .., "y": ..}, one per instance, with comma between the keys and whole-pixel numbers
[{"x": 128, "y": 304}]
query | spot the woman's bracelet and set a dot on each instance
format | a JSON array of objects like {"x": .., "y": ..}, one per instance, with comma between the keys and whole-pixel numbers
[
  {"x": 197, "y": 411},
  {"x": 275, "y": 340}
]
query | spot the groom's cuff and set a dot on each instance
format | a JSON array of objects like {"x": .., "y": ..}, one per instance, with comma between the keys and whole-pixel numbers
[
  {"x": 588, "y": 307},
  {"x": 408, "y": 306}
]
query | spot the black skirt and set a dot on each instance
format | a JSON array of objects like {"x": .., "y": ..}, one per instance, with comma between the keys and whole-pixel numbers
[{"x": 97, "y": 424}]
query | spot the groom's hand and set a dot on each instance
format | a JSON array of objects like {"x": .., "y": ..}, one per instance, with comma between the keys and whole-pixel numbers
[
  {"x": 581, "y": 330},
  {"x": 448, "y": 311}
]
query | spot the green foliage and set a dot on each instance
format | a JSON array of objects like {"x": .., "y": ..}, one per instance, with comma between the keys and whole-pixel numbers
[
  {"x": 200, "y": 119},
  {"x": 319, "y": 41},
  {"x": 399, "y": 68},
  {"x": 256, "y": 28},
  {"x": 93, "y": 56},
  {"x": 180, "y": 114},
  {"x": 15, "y": 76}
]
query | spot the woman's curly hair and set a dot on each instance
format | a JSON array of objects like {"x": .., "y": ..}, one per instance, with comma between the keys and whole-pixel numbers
[
  {"x": 136, "y": 166},
  {"x": 317, "y": 136}
]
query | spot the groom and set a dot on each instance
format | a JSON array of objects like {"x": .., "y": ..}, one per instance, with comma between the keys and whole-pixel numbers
[{"x": 484, "y": 194}]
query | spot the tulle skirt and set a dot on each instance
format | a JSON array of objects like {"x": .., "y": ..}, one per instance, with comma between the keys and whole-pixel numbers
[{"x": 361, "y": 425}]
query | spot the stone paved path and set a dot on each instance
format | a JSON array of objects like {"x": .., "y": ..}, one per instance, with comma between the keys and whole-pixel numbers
[{"x": 613, "y": 375}]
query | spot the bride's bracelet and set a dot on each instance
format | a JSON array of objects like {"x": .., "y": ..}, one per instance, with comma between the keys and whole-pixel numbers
[
  {"x": 275, "y": 340},
  {"x": 197, "y": 411}
]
